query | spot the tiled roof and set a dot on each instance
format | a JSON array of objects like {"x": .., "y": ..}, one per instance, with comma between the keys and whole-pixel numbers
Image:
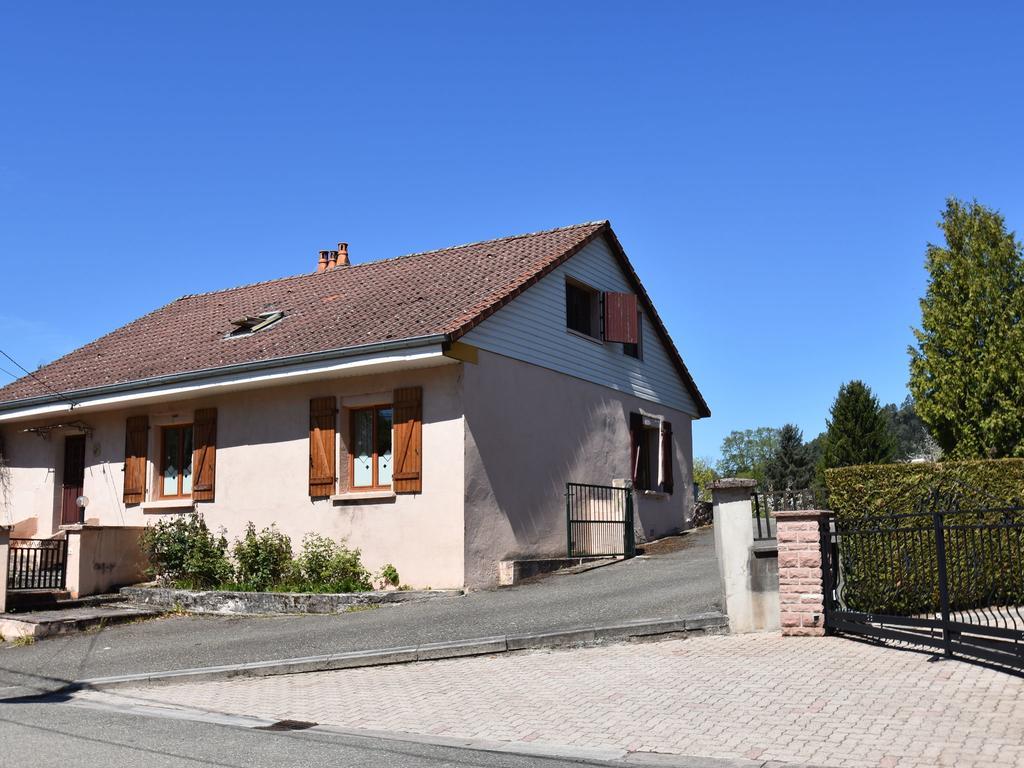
[{"x": 438, "y": 292}]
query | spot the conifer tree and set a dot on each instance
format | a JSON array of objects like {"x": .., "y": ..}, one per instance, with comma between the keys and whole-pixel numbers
[
  {"x": 858, "y": 431},
  {"x": 791, "y": 467},
  {"x": 967, "y": 370}
]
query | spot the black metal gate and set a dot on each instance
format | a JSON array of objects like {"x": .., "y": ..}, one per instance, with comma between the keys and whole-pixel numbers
[
  {"x": 599, "y": 520},
  {"x": 950, "y": 580},
  {"x": 37, "y": 564}
]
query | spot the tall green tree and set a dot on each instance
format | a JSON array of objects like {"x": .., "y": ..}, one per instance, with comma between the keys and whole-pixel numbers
[
  {"x": 909, "y": 432},
  {"x": 792, "y": 466},
  {"x": 858, "y": 432},
  {"x": 967, "y": 370},
  {"x": 745, "y": 453},
  {"x": 703, "y": 475}
]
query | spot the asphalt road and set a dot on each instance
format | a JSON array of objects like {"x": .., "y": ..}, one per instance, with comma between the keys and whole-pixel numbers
[
  {"x": 73, "y": 737},
  {"x": 661, "y": 586}
]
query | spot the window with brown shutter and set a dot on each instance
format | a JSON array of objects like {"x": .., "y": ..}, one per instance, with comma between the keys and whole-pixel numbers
[
  {"x": 408, "y": 440},
  {"x": 667, "y": 450},
  {"x": 650, "y": 453},
  {"x": 322, "y": 418},
  {"x": 136, "y": 439},
  {"x": 204, "y": 454},
  {"x": 621, "y": 318}
]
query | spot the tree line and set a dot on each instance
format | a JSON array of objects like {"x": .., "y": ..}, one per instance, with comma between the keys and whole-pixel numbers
[{"x": 966, "y": 380}]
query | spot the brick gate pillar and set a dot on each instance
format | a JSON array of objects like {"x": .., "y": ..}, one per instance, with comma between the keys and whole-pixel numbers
[{"x": 801, "y": 596}]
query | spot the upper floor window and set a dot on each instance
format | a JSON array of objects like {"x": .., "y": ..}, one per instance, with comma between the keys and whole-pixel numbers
[
  {"x": 176, "y": 461},
  {"x": 582, "y": 309},
  {"x": 371, "y": 447},
  {"x": 635, "y": 349}
]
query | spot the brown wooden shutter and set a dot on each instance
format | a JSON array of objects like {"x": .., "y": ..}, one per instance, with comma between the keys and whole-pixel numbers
[
  {"x": 636, "y": 431},
  {"x": 136, "y": 440},
  {"x": 408, "y": 446},
  {"x": 343, "y": 457},
  {"x": 621, "y": 318},
  {"x": 666, "y": 457},
  {"x": 322, "y": 417},
  {"x": 204, "y": 454}
]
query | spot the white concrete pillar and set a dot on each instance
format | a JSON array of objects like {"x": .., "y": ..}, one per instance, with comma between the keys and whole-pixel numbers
[{"x": 751, "y": 597}]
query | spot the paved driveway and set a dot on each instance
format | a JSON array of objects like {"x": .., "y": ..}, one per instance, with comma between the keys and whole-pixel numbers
[
  {"x": 824, "y": 701},
  {"x": 663, "y": 586}
]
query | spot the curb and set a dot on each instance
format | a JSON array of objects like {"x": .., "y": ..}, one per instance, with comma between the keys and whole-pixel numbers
[{"x": 696, "y": 624}]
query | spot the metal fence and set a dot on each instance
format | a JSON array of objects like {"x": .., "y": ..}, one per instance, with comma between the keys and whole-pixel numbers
[
  {"x": 37, "y": 564},
  {"x": 599, "y": 520},
  {"x": 766, "y": 502},
  {"x": 952, "y": 580}
]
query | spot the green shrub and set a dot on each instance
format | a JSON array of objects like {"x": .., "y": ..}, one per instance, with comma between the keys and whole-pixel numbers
[
  {"x": 888, "y": 552},
  {"x": 327, "y": 566},
  {"x": 872, "y": 489},
  {"x": 187, "y": 553},
  {"x": 387, "y": 576},
  {"x": 264, "y": 559}
]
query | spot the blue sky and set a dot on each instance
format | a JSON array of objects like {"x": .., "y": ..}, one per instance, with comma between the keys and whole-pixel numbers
[{"x": 774, "y": 170}]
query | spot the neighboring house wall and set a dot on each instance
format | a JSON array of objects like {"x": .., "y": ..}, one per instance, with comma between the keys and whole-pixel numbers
[
  {"x": 532, "y": 328},
  {"x": 529, "y": 431},
  {"x": 263, "y": 469}
]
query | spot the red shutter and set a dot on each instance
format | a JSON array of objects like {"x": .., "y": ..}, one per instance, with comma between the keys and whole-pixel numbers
[
  {"x": 408, "y": 469},
  {"x": 666, "y": 457},
  {"x": 322, "y": 416},
  {"x": 636, "y": 429},
  {"x": 136, "y": 439},
  {"x": 204, "y": 454},
  {"x": 621, "y": 318}
]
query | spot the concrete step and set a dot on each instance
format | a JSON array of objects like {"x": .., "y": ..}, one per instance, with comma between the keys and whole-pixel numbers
[{"x": 19, "y": 627}]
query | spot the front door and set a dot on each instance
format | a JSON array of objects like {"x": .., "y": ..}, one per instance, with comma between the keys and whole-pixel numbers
[{"x": 74, "y": 476}]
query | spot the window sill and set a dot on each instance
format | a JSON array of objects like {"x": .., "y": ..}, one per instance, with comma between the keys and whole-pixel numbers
[
  {"x": 587, "y": 336},
  {"x": 168, "y": 505},
  {"x": 655, "y": 494},
  {"x": 362, "y": 497}
]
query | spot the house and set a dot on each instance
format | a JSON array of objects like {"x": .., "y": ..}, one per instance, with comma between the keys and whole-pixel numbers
[{"x": 429, "y": 408}]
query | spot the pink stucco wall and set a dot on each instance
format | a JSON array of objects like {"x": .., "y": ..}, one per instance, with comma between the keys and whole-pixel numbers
[
  {"x": 529, "y": 431},
  {"x": 262, "y": 473}
]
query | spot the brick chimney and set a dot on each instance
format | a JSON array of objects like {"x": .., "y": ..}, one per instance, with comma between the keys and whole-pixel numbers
[{"x": 343, "y": 255}]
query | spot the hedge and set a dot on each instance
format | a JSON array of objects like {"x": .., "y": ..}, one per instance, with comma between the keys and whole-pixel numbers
[
  {"x": 888, "y": 562},
  {"x": 874, "y": 489}
]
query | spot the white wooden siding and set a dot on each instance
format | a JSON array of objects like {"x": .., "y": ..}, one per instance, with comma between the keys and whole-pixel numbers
[{"x": 531, "y": 328}]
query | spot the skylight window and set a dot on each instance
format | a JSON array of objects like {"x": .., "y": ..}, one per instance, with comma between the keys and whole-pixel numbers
[{"x": 246, "y": 326}]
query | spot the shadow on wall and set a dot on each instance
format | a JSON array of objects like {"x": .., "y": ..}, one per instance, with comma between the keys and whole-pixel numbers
[{"x": 528, "y": 455}]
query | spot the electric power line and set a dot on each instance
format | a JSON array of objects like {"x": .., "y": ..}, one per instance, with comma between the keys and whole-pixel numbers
[{"x": 36, "y": 378}]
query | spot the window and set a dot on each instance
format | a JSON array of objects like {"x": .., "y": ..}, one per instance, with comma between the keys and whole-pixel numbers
[
  {"x": 651, "y": 452},
  {"x": 635, "y": 350},
  {"x": 176, "y": 461},
  {"x": 647, "y": 459},
  {"x": 371, "y": 447},
  {"x": 582, "y": 309},
  {"x": 247, "y": 326}
]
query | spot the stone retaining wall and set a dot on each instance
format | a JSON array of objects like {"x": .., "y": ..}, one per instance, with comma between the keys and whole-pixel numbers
[{"x": 274, "y": 602}]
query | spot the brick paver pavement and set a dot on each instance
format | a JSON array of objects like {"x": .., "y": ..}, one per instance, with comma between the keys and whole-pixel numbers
[{"x": 827, "y": 701}]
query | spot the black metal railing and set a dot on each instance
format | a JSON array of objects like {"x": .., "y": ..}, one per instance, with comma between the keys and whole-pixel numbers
[
  {"x": 599, "y": 520},
  {"x": 766, "y": 502},
  {"x": 37, "y": 564},
  {"x": 952, "y": 580}
]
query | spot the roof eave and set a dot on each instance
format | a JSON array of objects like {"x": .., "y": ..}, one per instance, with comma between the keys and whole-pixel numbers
[{"x": 209, "y": 373}]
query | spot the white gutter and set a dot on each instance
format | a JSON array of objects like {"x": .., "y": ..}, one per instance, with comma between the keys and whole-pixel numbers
[{"x": 376, "y": 358}]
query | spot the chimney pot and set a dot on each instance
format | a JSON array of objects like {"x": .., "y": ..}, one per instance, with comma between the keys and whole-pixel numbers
[
  {"x": 322, "y": 263},
  {"x": 332, "y": 259},
  {"x": 343, "y": 255}
]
